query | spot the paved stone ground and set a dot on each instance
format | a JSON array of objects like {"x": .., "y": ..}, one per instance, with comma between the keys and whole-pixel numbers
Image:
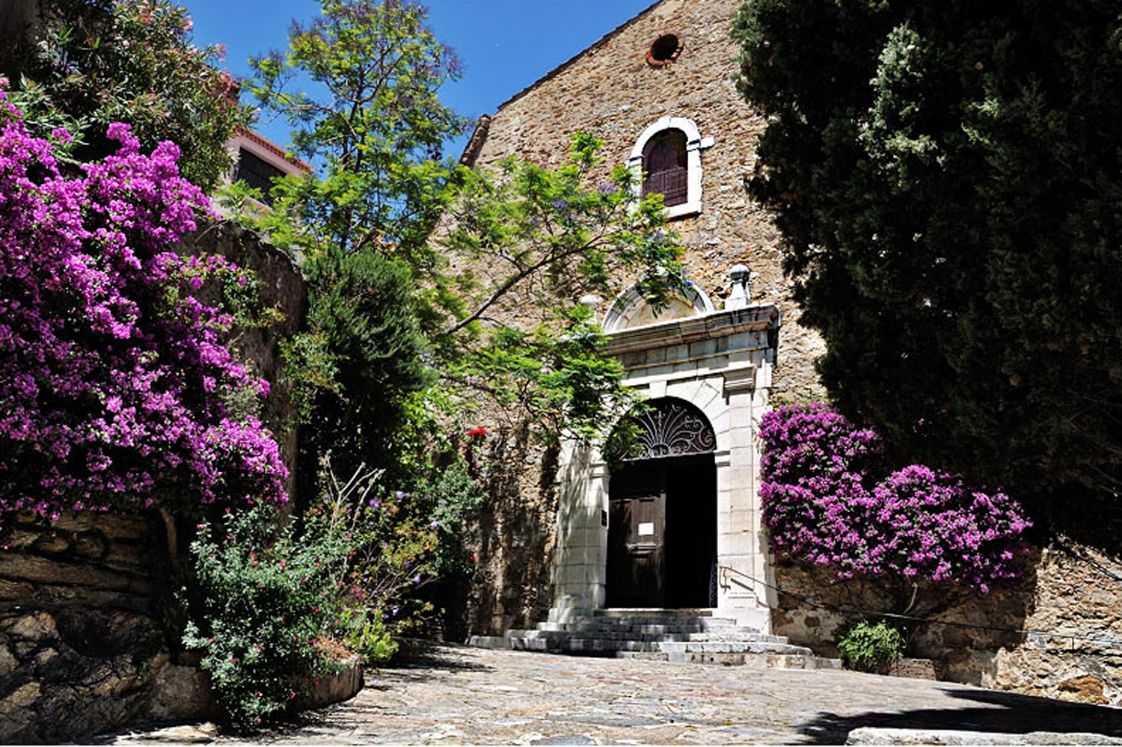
[{"x": 452, "y": 694}]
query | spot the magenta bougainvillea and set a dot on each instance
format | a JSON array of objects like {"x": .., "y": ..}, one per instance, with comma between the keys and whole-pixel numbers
[
  {"x": 829, "y": 499},
  {"x": 116, "y": 389}
]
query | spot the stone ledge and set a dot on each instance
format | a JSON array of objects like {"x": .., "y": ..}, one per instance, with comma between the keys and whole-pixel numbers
[
  {"x": 693, "y": 329},
  {"x": 876, "y": 736}
]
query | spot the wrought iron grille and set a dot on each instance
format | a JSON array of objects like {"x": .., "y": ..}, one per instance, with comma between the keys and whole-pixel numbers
[{"x": 672, "y": 428}]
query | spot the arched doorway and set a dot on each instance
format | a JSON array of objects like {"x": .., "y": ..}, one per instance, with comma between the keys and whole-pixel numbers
[{"x": 662, "y": 523}]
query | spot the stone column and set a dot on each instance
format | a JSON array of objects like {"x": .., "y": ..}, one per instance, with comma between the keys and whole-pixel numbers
[
  {"x": 763, "y": 567},
  {"x": 579, "y": 566},
  {"x": 738, "y": 547}
]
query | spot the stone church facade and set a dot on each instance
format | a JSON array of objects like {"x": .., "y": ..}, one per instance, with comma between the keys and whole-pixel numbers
[
  {"x": 584, "y": 535},
  {"x": 680, "y": 527}
]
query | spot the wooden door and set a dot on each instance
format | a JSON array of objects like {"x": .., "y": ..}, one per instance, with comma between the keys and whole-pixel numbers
[{"x": 636, "y": 550}]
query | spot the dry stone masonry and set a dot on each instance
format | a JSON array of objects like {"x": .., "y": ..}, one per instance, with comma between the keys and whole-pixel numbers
[
  {"x": 1058, "y": 634},
  {"x": 81, "y": 647}
]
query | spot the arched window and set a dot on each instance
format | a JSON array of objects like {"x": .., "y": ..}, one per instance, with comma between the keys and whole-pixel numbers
[
  {"x": 665, "y": 167},
  {"x": 666, "y": 160}
]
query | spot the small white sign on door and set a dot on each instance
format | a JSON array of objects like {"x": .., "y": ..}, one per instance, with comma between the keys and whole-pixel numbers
[{"x": 646, "y": 529}]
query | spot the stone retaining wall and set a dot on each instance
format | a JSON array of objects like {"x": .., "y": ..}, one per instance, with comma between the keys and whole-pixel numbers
[
  {"x": 283, "y": 288},
  {"x": 81, "y": 650},
  {"x": 1072, "y": 590}
]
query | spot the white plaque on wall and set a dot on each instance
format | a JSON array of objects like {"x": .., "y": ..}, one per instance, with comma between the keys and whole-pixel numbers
[{"x": 646, "y": 529}]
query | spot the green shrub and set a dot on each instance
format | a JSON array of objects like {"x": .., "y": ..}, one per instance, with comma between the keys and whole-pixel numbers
[
  {"x": 356, "y": 367},
  {"x": 369, "y": 636},
  {"x": 392, "y": 545},
  {"x": 263, "y": 603},
  {"x": 870, "y": 647},
  {"x": 454, "y": 496},
  {"x": 89, "y": 63},
  {"x": 270, "y": 601}
]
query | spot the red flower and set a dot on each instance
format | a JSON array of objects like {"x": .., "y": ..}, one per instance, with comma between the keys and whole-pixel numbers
[{"x": 479, "y": 432}]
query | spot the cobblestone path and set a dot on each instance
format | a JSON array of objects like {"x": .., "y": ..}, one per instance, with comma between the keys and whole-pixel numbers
[{"x": 456, "y": 694}]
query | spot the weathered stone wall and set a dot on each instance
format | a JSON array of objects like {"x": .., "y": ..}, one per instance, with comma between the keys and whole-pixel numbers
[
  {"x": 1016, "y": 639},
  {"x": 81, "y": 648},
  {"x": 612, "y": 91},
  {"x": 282, "y": 288},
  {"x": 515, "y": 539}
]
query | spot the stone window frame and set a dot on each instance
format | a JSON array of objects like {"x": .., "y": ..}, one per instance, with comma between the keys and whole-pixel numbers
[{"x": 695, "y": 143}]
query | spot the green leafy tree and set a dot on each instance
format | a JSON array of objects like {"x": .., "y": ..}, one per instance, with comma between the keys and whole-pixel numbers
[
  {"x": 89, "y": 63},
  {"x": 520, "y": 246},
  {"x": 945, "y": 176},
  {"x": 499, "y": 257},
  {"x": 371, "y": 121},
  {"x": 441, "y": 297}
]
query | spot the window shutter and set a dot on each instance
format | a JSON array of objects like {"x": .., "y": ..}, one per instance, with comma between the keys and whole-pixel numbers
[
  {"x": 256, "y": 172},
  {"x": 664, "y": 162}
]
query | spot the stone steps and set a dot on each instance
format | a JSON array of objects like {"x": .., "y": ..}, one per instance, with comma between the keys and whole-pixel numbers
[
  {"x": 659, "y": 613},
  {"x": 746, "y": 635},
  {"x": 611, "y": 635},
  {"x": 692, "y": 636},
  {"x": 755, "y": 660},
  {"x": 697, "y": 624},
  {"x": 586, "y": 646}
]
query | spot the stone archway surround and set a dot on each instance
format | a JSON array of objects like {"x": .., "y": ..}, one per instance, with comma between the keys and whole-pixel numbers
[{"x": 721, "y": 363}]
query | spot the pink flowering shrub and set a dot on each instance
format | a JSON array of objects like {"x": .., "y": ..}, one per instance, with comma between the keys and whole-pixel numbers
[
  {"x": 828, "y": 499},
  {"x": 115, "y": 387}
]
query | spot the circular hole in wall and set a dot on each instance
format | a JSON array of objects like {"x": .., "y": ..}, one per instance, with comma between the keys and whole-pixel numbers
[{"x": 664, "y": 50}]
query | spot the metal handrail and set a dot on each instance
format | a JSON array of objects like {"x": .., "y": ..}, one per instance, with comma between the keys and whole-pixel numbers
[{"x": 726, "y": 582}]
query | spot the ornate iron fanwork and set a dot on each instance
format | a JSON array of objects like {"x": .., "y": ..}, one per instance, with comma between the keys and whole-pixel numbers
[{"x": 669, "y": 429}]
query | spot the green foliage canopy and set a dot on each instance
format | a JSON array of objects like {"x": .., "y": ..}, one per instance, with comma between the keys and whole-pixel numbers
[
  {"x": 359, "y": 363},
  {"x": 945, "y": 176},
  {"x": 498, "y": 257},
  {"x": 371, "y": 122},
  {"x": 90, "y": 63},
  {"x": 521, "y": 245}
]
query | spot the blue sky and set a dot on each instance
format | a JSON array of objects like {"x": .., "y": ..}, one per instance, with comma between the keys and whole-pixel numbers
[{"x": 504, "y": 44}]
